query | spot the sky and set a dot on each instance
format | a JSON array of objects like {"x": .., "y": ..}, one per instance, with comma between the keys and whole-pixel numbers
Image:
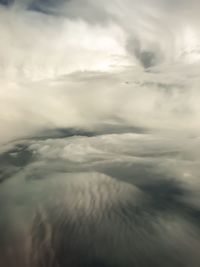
[
  {"x": 99, "y": 133},
  {"x": 134, "y": 46}
]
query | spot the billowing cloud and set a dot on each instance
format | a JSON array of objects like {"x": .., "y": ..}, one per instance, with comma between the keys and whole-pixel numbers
[
  {"x": 146, "y": 54},
  {"x": 107, "y": 194},
  {"x": 99, "y": 139}
]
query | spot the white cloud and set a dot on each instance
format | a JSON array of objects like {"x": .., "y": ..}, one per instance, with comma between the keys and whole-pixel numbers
[{"x": 38, "y": 51}]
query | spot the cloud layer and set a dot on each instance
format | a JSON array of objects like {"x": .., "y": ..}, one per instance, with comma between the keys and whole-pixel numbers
[
  {"x": 99, "y": 140},
  {"x": 136, "y": 63}
]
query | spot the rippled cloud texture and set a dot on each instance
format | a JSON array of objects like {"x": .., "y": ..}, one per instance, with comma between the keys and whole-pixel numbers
[{"x": 99, "y": 139}]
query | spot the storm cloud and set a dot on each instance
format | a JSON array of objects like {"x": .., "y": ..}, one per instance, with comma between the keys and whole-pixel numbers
[{"x": 99, "y": 137}]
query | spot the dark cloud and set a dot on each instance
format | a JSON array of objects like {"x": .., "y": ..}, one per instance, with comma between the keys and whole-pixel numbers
[{"x": 82, "y": 217}]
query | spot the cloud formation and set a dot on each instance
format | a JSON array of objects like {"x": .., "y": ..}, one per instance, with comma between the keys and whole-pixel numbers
[
  {"x": 99, "y": 140},
  {"x": 150, "y": 52},
  {"x": 111, "y": 199}
]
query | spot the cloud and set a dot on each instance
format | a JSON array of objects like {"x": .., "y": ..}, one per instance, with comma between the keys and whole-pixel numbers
[
  {"x": 134, "y": 63},
  {"x": 99, "y": 116},
  {"x": 89, "y": 100},
  {"x": 74, "y": 207}
]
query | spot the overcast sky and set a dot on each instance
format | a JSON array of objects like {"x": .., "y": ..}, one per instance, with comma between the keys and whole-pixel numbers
[
  {"x": 142, "y": 57},
  {"x": 99, "y": 132}
]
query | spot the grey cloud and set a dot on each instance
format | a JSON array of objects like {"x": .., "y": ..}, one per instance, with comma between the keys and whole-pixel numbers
[
  {"x": 94, "y": 217},
  {"x": 158, "y": 26},
  {"x": 99, "y": 140}
]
